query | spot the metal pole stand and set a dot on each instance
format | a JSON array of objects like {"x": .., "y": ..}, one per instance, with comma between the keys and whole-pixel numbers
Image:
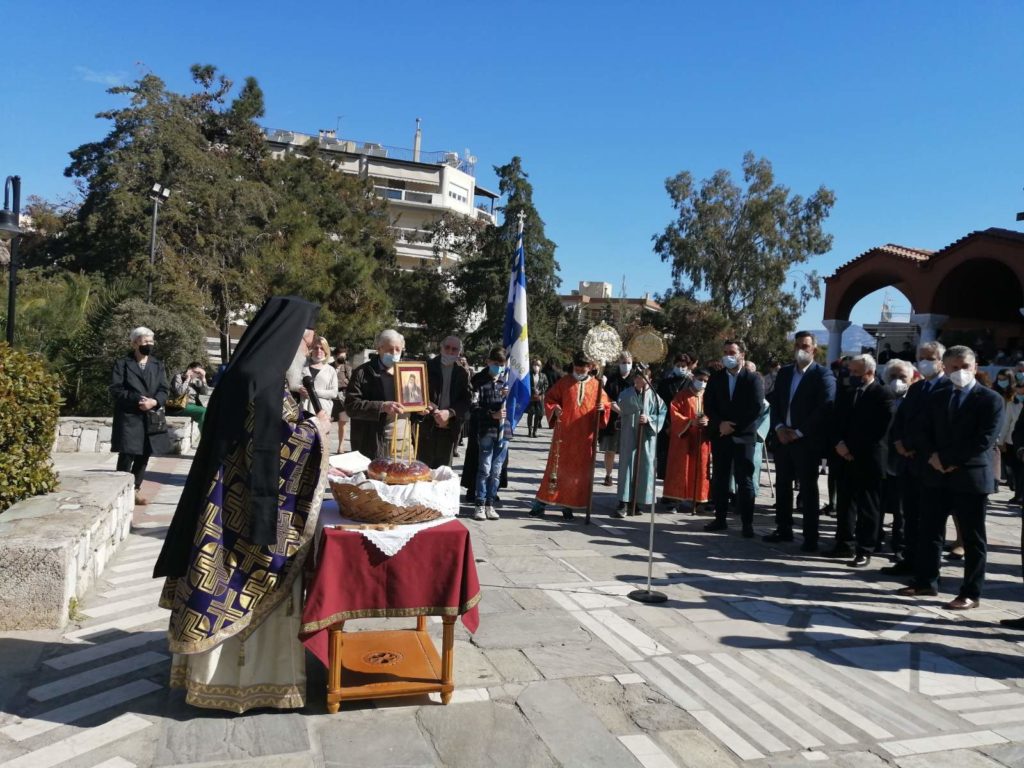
[{"x": 648, "y": 595}]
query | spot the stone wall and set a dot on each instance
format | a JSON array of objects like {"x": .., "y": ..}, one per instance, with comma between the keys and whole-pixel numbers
[
  {"x": 91, "y": 434},
  {"x": 53, "y": 547}
]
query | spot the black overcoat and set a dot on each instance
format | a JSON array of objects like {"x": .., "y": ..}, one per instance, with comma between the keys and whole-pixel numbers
[{"x": 129, "y": 383}]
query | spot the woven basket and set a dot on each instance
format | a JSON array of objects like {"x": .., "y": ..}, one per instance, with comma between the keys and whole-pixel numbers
[{"x": 364, "y": 505}]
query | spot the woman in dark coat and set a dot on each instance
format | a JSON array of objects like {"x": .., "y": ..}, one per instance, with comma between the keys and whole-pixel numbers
[
  {"x": 139, "y": 388},
  {"x": 370, "y": 398}
]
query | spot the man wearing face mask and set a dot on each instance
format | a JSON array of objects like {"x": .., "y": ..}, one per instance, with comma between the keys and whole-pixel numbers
[
  {"x": 689, "y": 454},
  {"x": 450, "y": 399},
  {"x": 538, "y": 388},
  {"x": 733, "y": 404},
  {"x": 575, "y": 405},
  {"x": 906, "y": 438},
  {"x": 617, "y": 380},
  {"x": 370, "y": 397},
  {"x": 801, "y": 408},
  {"x": 898, "y": 376},
  {"x": 863, "y": 415},
  {"x": 676, "y": 378},
  {"x": 958, "y": 434}
]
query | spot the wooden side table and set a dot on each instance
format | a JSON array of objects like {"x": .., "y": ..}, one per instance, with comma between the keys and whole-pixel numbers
[{"x": 389, "y": 663}]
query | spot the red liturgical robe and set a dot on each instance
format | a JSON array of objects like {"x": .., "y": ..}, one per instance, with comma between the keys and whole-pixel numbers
[{"x": 571, "y": 457}]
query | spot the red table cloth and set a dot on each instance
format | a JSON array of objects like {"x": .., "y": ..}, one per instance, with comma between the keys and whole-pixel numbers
[{"x": 433, "y": 575}]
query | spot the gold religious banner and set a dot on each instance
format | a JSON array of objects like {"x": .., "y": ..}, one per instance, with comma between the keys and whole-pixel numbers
[{"x": 647, "y": 346}]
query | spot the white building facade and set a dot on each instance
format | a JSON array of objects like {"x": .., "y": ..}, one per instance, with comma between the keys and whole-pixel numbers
[{"x": 420, "y": 187}]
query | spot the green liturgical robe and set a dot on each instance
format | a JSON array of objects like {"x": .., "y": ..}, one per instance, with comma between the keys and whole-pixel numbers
[{"x": 633, "y": 404}]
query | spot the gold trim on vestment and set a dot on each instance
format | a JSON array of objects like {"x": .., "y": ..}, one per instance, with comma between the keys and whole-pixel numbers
[
  {"x": 388, "y": 613},
  {"x": 235, "y": 698},
  {"x": 246, "y": 625}
]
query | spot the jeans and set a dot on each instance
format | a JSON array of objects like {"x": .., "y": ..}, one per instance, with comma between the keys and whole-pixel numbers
[{"x": 493, "y": 450}]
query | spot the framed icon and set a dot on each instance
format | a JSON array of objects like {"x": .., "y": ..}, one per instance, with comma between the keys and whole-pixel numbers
[{"x": 411, "y": 386}]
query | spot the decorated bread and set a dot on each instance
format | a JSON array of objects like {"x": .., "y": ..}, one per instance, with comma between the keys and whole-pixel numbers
[{"x": 398, "y": 471}]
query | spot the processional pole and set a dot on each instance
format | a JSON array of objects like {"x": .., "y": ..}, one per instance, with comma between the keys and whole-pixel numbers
[
  {"x": 601, "y": 344},
  {"x": 648, "y": 346}
]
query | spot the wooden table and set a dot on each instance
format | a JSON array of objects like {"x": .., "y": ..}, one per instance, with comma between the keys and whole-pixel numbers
[{"x": 433, "y": 575}]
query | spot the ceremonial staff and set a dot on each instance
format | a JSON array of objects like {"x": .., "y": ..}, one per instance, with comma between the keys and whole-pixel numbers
[
  {"x": 648, "y": 346},
  {"x": 602, "y": 343}
]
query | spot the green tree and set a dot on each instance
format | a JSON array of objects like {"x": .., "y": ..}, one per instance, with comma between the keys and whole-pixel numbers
[
  {"x": 482, "y": 279},
  {"x": 743, "y": 248},
  {"x": 692, "y": 326}
]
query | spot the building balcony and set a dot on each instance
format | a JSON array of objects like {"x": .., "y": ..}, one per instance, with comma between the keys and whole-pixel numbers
[{"x": 408, "y": 196}]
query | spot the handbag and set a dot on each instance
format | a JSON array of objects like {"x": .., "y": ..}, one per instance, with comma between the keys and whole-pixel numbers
[
  {"x": 156, "y": 422},
  {"x": 178, "y": 402}
]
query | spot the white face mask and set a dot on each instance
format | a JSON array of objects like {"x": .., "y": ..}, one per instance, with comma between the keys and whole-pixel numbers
[
  {"x": 730, "y": 361},
  {"x": 698, "y": 385},
  {"x": 928, "y": 368},
  {"x": 803, "y": 357},
  {"x": 898, "y": 387},
  {"x": 961, "y": 378},
  {"x": 624, "y": 369},
  {"x": 580, "y": 376}
]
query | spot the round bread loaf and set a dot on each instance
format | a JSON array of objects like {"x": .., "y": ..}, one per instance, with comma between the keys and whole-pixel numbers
[{"x": 398, "y": 472}]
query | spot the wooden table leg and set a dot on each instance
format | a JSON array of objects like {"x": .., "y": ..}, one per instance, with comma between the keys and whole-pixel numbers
[
  {"x": 421, "y": 623},
  {"x": 448, "y": 658},
  {"x": 335, "y": 638}
]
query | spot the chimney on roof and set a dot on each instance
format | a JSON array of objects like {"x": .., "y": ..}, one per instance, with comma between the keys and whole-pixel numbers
[{"x": 417, "y": 140}]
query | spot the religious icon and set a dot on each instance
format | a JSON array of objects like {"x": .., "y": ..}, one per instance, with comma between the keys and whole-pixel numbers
[{"x": 411, "y": 386}]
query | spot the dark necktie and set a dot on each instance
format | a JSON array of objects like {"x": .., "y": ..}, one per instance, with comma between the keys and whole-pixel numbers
[
  {"x": 958, "y": 397},
  {"x": 856, "y": 396}
]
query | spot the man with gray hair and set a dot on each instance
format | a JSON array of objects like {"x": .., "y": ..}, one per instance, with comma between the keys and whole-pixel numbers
[
  {"x": 864, "y": 412},
  {"x": 370, "y": 398},
  {"x": 905, "y": 437},
  {"x": 450, "y": 400},
  {"x": 959, "y": 431}
]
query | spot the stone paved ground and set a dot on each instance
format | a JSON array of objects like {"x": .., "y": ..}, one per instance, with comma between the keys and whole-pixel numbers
[{"x": 761, "y": 656}]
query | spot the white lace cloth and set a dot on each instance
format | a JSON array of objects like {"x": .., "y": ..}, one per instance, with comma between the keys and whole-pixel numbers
[{"x": 442, "y": 494}]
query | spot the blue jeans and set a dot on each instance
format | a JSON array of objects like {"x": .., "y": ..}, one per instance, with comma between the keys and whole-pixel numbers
[{"x": 493, "y": 450}]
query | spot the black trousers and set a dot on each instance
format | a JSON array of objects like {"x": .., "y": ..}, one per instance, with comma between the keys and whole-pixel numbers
[
  {"x": 797, "y": 461},
  {"x": 859, "y": 497},
  {"x": 910, "y": 498},
  {"x": 729, "y": 460},
  {"x": 937, "y": 505},
  {"x": 435, "y": 444},
  {"x": 534, "y": 416},
  {"x": 134, "y": 463},
  {"x": 892, "y": 506}
]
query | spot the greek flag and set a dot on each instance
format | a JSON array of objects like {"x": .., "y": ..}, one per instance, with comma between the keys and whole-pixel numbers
[{"x": 515, "y": 337}]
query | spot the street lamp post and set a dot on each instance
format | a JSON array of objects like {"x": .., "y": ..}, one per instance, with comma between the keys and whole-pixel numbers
[
  {"x": 10, "y": 222},
  {"x": 158, "y": 194}
]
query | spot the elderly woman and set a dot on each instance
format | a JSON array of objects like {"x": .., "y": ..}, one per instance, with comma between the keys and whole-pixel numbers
[
  {"x": 370, "y": 397},
  {"x": 325, "y": 377},
  {"x": 139, "y": 389}
]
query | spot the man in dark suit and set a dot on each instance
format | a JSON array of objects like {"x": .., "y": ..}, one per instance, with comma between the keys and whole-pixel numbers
[
  {"x": 959, "y": 432},
  {"x": 905, "y": 436},
  {"x": 864, "y": 412},
  {"x": 450, "y": 400},
  {"x": 801, "y": 402},
  {"x": 733, "y": 404}
]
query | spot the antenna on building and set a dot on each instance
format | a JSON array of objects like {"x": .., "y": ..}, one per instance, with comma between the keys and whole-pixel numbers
[{"x": 417, "y": 140}]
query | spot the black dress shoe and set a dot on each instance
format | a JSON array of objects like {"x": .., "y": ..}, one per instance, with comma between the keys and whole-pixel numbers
[
  {"x": 777, "y": 536},
  {"x": 842, "y": 552},
  {"x": 954, "y": 557},
  {"x": 902, "y": 568},
  {"x": 716, "y": 525},
  {"x": 617, "y": 514},
  {"x": 809, "y": 546},
  {"x": 1012, "y": 623},
  {"x": 748, "y": 532},
  {"x": 860, "y": 561},
  {"x": 567, "y": 514}
]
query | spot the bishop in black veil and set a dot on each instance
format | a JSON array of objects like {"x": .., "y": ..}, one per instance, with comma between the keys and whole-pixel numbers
[{"x": 233, "y": 554}]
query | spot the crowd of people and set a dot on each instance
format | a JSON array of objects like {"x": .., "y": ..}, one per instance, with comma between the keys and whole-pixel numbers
[{"x": 915, "y": 442}]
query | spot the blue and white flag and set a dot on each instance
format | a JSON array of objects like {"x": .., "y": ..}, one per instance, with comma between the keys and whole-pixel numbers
[{"x": 515, "y": 337}]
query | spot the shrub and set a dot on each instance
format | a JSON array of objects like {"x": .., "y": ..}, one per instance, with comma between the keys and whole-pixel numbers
[
  {"x": 29, "y": 405},
  {"x": 105, "y": 338}
]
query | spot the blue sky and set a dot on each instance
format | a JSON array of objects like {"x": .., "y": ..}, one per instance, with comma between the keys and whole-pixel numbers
[{"x": 910, "y": 111}]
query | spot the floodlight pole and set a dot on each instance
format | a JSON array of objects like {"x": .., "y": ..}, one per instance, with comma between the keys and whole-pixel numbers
[{"x": 13, "y": 185}]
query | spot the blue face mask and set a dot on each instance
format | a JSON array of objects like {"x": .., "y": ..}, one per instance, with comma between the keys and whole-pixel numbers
[
  {"x": 495, "y": 370},
  {"x": 855, "y": 381},
  {"x": 1002, "y": 383},
  {"x": 1018, "y": 398},
  {"x": 388, "y": 359},
  {"x": 679, "y": 370}
]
